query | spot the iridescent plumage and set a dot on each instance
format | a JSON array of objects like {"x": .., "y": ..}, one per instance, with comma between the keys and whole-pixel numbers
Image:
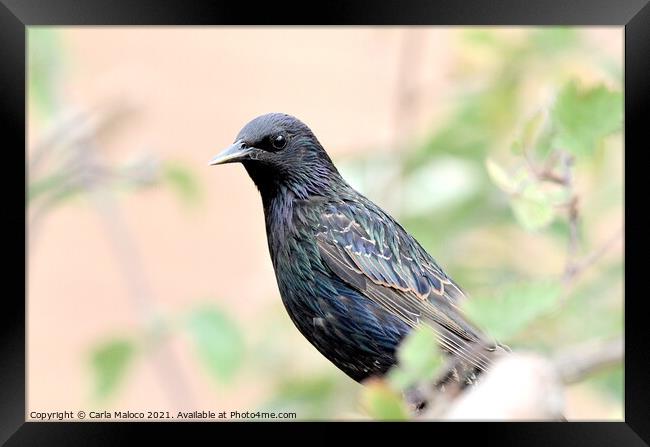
[{"x": 352, "y": 279}]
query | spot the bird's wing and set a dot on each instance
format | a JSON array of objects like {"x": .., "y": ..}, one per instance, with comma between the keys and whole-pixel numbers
[{"x": 371, "y": 252}]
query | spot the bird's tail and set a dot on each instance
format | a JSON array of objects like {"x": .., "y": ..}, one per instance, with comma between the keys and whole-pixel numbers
[{"x": 456, "y": 375}]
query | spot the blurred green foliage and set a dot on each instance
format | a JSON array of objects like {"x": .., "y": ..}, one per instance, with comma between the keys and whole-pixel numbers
[
  {"x": 183, "y": 181},
  {"x": 110, "y": 362},
  {"x": 218, "y": 341},
  {"x": 59, "y": 167},
  {"x": 582, "y": 117},
  {"x": 512, "y": 309},
  {"x": 513, "y": 170},
  {"x": 309, "y": 395},
  {"x": 381, "y": 402},
  {"x": 45, "y": 59},
  {"x": 53, "y": 187},
  {"x": 414, "y": 367},
  {"x": 533, "y": 203},
  {"x": 471, "y": 192},
  {"x": 68, "y": 163}
]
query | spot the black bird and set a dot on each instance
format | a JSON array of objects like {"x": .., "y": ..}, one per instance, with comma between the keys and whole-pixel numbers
[{"x": 353, "y": 281}]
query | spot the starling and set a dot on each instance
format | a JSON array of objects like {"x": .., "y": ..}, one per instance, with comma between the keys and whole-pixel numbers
[{"x": 352, "y": 279}]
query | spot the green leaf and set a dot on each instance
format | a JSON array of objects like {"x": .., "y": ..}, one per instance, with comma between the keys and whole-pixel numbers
[
  {"x": 532, "y": 202},
  {"x": 183, "y": 181},
  {"x": 557, "y": 194},
  {"x": 514, "y": 309},
  {"x": 418, "y": 359},
  {"x": 517, "y": 147},
  {"x": 110, "y": 362},
  {"x": 415, "y": 351},
  {"x": 218, "y": 341},
  {"x": 584, "y": 117},
  {"x": 381, "y": 402},
  {"x": 500, "y": 177},
  {"x": 533, "y": 209}
]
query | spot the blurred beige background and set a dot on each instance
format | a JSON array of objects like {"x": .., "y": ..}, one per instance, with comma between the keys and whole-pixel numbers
[{"x": 192, "y": 89}]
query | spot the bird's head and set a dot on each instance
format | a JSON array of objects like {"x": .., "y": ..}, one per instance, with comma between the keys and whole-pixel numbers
[{"x": 279, "y": 150}]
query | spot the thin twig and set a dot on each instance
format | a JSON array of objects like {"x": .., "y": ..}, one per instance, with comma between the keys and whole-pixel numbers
[
  {"x": 408, "y": 69},
  {"x": 573, "y": 240},
  {"x": 165, "y": 363},
  {"x": 53, "y": 138},
  {"x": 589, "y": 260},
  {"x": 75, "y": 126},
  {"x": 406, "y": 105},
  {"x": 565, "y": 179},
  {"x": 551, "y": 176},
  {"x": 576, "y": 363}
]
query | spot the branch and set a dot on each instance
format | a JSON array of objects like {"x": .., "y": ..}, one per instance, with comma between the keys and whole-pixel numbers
[
  {"x": 86, "y": 170},
  {"x": 518, "y": 386},
  {"x": 128, "y": 257},
  {"x": 76, "y": 125},
  {"x": 579, "y": 362},
  {"x": 406, "y": 105},
  {"x": 408, "y": 69},
  {"x": 523, "y": 385},
  {"x": 580, "y": 266},
  {"x": 573, "y": 243}
]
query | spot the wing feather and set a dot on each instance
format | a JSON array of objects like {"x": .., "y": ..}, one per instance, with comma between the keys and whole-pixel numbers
[{"x": 376, "y": 256}]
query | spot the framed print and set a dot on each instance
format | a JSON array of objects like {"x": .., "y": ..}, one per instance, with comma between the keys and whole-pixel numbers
[{"x": 365, "y": 212}]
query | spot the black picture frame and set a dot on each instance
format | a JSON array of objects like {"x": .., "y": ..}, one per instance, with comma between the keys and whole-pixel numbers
[{"x": 16, "y": 15}]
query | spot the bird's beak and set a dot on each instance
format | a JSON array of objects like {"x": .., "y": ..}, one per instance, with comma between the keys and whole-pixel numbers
[{"x": 237, "y": 152}]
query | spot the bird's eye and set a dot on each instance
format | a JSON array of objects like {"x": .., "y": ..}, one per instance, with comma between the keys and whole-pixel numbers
[{"x": 279, "y": 141}]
